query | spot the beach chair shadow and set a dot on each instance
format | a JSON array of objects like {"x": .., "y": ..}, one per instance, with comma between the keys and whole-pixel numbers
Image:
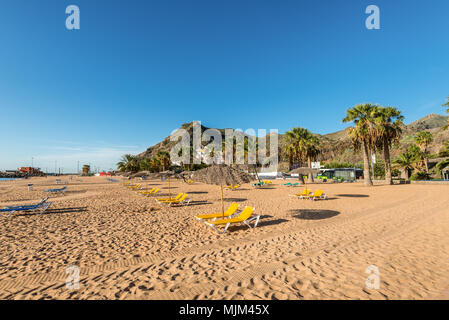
[
  {"x": 199, "y": 203},
  {"x": 235, "y": 199},
  {"x": 198, "y": 192},
  {"x": 72, "y": 192},
  {"x": 313, "y": 214},
  {"x": 54, "y": 211},
  {"x": 262, "y": 223},
  {"x": 353, "y": 195},
  {"x": 265, "y": 223}
]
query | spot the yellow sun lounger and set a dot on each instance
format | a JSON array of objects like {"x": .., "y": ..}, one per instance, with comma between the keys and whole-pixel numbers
[
  {"x": 243, "y": 217},
  {"x": 181, "y": 201},
  {"x": 231, "y": 187},
  {"x": 147, "y": 192},
  {"x": 150, "y": 192},
  {"x": 267, "y": 181},
  {"x": 304, "y": 194},
  {"x": 170, "y": 199},
  {"x": 319, "y": 194},
  {"x": 190, "y": 181},
  {"x": 229, "y": 212},
  {"x": 136, "y": 187}
]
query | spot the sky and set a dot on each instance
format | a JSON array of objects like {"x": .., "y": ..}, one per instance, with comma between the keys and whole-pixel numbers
[{"x": 136, "y": 70}]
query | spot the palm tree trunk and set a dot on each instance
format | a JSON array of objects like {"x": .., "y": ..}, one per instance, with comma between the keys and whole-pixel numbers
[
  {"x": 290, "y": 161},
  {"x": 426, "y": 163},
  {"x": 309, "y": 164},
  {"x": 366, "y": 173},
  {"x": 388, "y": 179}
]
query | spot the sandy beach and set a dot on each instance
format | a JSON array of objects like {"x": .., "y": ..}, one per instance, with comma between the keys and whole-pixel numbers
[{"x": 129, "y": 247}]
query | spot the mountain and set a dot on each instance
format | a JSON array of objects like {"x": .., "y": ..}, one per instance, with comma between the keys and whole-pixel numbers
[
  {"x": 431, "y": 121},
  {"x": 336, "y": 146}
]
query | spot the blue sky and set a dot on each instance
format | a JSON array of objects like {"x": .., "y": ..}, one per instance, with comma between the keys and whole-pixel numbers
[{"x": 136, "y": 70}]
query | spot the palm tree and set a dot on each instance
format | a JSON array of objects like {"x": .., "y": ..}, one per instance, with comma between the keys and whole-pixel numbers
[
  {"x": 155, "y": 164},
  {"x": 294, "y": 138},
  {"x": 423, "y": 139},
  {"x": 444, "y": 151},
  {"x": 312, "y": 150},
  {"x": 290, "y": 150},
  {"x": 388, "y": 130},
  {"x": 302, "y": 146},
  {"x": 145, "y": 164},
  {"x": 128, "y": 163},
  {"x": 362, "y": 134},
  {"x": 164, "y": 159},
  {"x": 405, "y": 161}
]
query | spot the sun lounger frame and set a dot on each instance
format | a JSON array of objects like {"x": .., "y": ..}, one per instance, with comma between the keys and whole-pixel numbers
[{"x": 246, "y": 222}]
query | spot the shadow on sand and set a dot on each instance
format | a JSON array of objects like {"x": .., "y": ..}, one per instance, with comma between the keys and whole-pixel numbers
[
  {"x": 199, "y": 203},
  {"x": 353, "y": 195},
  {"x": 262, "y": 223},
  {"x": 234, "y": 199},
  {"x": 313, "y": 214},
  {"x": 55, "y": 211}
]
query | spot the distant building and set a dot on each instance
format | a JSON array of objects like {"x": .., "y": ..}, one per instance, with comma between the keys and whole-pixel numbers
[{"x": 30, "y": 170}]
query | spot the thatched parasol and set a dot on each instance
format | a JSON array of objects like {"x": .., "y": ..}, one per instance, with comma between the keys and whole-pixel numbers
[
  {"x": 304, "y": 170},
  {"x": 221, "y": 175},
  {"x": 141, "y": 174}
]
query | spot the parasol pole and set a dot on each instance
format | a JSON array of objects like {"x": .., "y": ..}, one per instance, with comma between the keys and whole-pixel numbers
[
  {"x": 222, "y": 203},
  {"x": 169, "y": 193}
]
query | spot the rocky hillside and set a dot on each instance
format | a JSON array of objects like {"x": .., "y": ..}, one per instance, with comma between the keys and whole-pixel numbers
[{"x": 337, "y": 145}]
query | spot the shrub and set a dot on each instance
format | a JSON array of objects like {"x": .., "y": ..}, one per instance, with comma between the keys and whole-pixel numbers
[{"x": 420, "y": 176}]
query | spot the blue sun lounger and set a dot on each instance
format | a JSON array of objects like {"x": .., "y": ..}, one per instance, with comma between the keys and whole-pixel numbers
[
  {"x": 31, "y": 206},
  {"x": 60, "y": 190},
  {"x": 41, "y": 207}
]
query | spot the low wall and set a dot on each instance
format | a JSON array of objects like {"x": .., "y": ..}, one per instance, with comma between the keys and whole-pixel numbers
[{"x": 430, "y": 182}]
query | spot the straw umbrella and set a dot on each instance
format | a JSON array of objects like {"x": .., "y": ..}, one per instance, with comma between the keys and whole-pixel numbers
[
  {"x": 221, "y": 175},
  {"x": 304, "y": 170}
]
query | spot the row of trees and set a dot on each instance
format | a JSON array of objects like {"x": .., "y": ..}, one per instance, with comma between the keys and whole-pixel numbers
[
  {"x": 415, "y": 158},
  {"x": 375, "y": 128},
  {"x": 160, "y": 162}
]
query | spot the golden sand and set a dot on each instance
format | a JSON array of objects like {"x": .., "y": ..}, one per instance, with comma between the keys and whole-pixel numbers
[{"x": 129, "y": 247}]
